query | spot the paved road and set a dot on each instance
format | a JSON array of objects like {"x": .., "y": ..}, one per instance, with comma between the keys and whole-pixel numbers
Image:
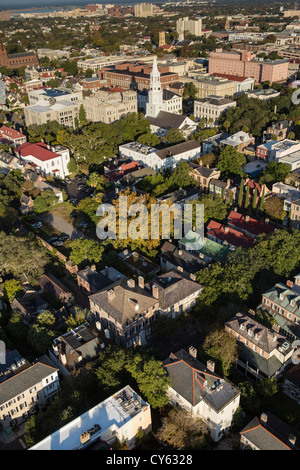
[{"x": 62, "y": 225}]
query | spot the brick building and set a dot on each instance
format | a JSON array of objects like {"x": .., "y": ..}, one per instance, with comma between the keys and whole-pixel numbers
[{"x": 15, "y": 61}]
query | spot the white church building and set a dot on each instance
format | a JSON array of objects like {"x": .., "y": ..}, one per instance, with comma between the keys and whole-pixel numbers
[{"x": 163, "y": 108}]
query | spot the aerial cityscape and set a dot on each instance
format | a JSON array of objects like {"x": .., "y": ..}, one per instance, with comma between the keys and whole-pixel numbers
[{"x": 150, "y": 227}]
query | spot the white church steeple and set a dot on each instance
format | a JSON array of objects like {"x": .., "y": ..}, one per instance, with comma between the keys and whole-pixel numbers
[{"x": 155, "y": 103}]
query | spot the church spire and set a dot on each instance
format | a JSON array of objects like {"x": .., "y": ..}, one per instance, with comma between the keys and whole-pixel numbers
[{"x": 155, "y": 103}]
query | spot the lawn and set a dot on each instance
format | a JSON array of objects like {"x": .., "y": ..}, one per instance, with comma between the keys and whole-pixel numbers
[{"x": 63, "y": 210}]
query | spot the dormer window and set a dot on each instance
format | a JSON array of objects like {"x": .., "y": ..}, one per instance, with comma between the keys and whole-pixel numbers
[
  {"x": 281, "y": 296},
  {"x": 292, "y": 302},
  {"x": 242, "y": 326},
  {"x": 250, "y": 332}
]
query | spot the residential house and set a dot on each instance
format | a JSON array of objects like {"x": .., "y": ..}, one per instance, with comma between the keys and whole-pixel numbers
[
  {"x": 225, "y": 189},
  {"x": 248, "y": 225},
  {"x": 204, "y": 175},
  {"x": 13, "y": 364},
  {"x": 213, "y": 143},
  {"x": 76, "y": 347},
  {"x": 46, "y": 159},
  {"x": 227, "y": 236},
  {"x": 288, "y": 193},
  {"x": 199, "y": 390},
  {"x": 30, "y": 305},
  {"x": 176, "y": 294},
  {"x": 238, "y": 141},
  {"x": 179, "y": 196},
  {"x": 90, "y": 281},
  {"x": 125, "y": 311},
  {"x": 138, "y": 263},
  {"x": 262, "y": 352},
  {"x": 119, "y": 416},
  {"x": 295, "y": 214},
  {"x": 177, "y": 259},
  {"x": 291, "y": 385},
  {"x": 283, "y": 302},
  {"x": 26, "y": 204},
  {"x": 54, "y": 287},
  {"x": 263, "y": 150},
  {"x": 12, "y": 135},
  {"x": 281, "y": 129},
  {"x": 269, "y": 433},
  {"x": 27, "y": 391}
]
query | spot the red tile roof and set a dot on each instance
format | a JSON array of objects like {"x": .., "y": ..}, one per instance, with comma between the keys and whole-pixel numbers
[
  {"x": 230, "y": 77},
  {"x": 252, "y": 225},
  {"x": 38, "y": 150},
  {"x": 233, "y": 237},
  {"x": 10, "y": 132}
]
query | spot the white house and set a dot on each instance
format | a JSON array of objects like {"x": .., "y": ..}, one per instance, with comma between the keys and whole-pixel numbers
[
  {"x": 119, "y": 416},
  {"x": 46, "y": 159},
  {"x": 161, "y": 159},
  {"x": 199, "y": 390}
]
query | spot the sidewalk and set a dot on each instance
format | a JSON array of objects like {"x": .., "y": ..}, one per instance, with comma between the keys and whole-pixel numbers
[{"x": 12, "y": 441}]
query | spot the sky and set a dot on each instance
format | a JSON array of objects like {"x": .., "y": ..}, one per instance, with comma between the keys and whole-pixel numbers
[{"x": 18, "y": 4}]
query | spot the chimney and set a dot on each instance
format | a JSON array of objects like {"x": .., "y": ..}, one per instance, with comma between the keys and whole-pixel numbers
[
  {"x": 210, "y": 365},
  {"x": 226, "y": 229},
  {"x": 106, "y": 271},
  {"x": 111, "y": 294},
  {"x": 180, "y": 252},
  {"x": 192, "y": 277},
  {"x": 141, "y": 282},
  {"x": 135, "y": 256},
  {"x": 193, "y": 352},
  {"x": 264, "y": 417},
  {"x": 155, "y": 291},
  {"x": 247, "y": 218},
  {"x": 131, "y": 283},
  {"x": 292, "y": 439},
  {"x": 290, "y": 284},
  {"x": 93, "y": 267}
]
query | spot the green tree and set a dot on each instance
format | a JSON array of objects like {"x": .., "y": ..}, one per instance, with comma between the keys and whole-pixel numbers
[
  {"x": 268, "y": 387},
  {"x": 83, "y": 249},
  {"x": 247, "y": 196},
  {"x": 230, "y": 162},
  {"x": 41, "y": 334},
  {"x": 82, "y": 115},
  {"x": 221, "y": 348},
  {"x": 46, "y": 201},
  {"x": 254, "y": 199},
  {"x": 174, "y": 136},
  {"x": 11, "y": 288},
  {"x": 241, "y": 193}
]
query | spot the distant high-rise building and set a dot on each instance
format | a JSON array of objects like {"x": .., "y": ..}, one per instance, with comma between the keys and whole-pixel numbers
[
  {"x": 143, "y": 10},
  {"x": 162, "y": 39},
  {"x": 191, "y": 26}
]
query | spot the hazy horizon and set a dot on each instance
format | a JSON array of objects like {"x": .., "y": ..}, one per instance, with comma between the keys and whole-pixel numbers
[{"x": 19, "y": 4}]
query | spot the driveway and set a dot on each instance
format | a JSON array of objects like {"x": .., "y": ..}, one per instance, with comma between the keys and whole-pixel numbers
[{"x": 62, "y": 225}]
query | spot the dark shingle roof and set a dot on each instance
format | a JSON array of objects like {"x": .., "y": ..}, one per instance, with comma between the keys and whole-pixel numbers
[
  {"x": 178, "y": 149},
  {"x": 194, "y": 382},
  {"x": 167, "y": 120}
]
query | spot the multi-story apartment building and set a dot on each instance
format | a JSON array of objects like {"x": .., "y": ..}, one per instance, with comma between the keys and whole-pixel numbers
[
  {"x": 46, "y": 159},
  {"x": 281, "y": 129},
  {"x": 193, "y": 27},
  {"x": 143, "y": 10},
  {"x": 262, "y": 352},
  {"x": 118, "y": 417},
  {"x": 27, "y": 391},
  {"x": 211, "y": 107},
  {"x": 106, "y": 106},
  {"x": 199, "y": 390},
  {"x": 244, "y": 64},
  {"x": 283, "y": 302}
]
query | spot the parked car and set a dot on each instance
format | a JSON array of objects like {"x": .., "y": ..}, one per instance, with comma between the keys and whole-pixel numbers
[
  {"x": 57, "y": 243},
  {"x": 64, "y": 237},
  {"x": 37, "y": 225},
  {"x": 52, "y": 239}
]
